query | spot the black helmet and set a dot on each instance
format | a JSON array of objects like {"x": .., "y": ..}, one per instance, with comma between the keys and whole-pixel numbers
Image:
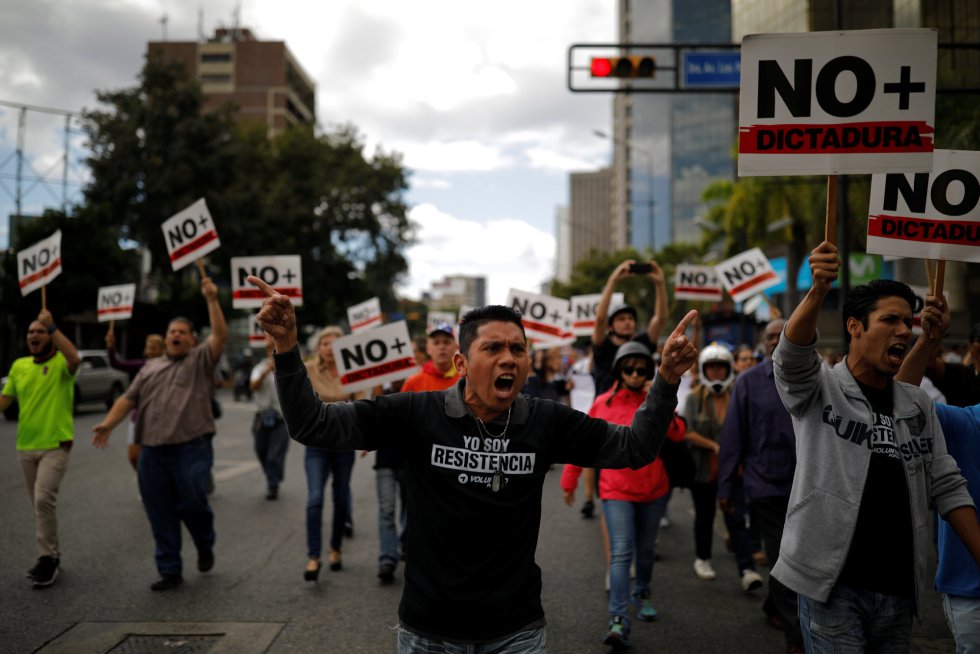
[
  {"x": 620, "y": 308},
  {"x": 633, "y": 349}
]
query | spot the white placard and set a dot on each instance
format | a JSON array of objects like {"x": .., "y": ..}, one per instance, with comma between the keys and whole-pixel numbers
[
  {"x": 116, "y": 302},
  {"x": 932, "y": 215},
  {"x": 546, "y": 319},
  {"x": 374, "y": 357},
  {"x": 256, "y": 335},
  {"x": 281, "y": 272},
  {"x": 746, "y": 274},
  {"x": 190, "y": 234},
  {"x": 583, "y": 308},
  {"x": 823, "y": 103},
  {"x": 436, "y": 318},
  {"x": 364, "y": 316},
  {"x": 38, "y": 264},
  {"x": 697, "y": 283}
]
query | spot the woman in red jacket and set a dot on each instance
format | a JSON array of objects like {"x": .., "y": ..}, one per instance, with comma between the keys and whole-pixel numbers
[{"x": 633, "y": 500}]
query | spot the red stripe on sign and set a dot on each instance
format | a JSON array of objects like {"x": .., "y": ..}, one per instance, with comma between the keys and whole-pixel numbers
[
  {"x": 43, "y": 272},
  {"x": 583, "y": 323},
  {"x": 358, "y": 325},
  {"x": 753, "y": 282},
  {"x": 875, "y": 136},
  {"x": 698, "y": 291},
  {"x": 256, "y": 294},
  {"x": 541, "y": 327},
  {"x": 952, "y": 232},
  {"x": 197, "y": 243},
  {"x": 378, "y": 371},
  {"x": 103, "y": 312}
]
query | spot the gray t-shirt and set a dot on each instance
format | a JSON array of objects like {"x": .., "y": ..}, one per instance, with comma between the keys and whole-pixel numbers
[
  {"x": 173, "y": 398},
  {"x": 265, "y": 397}
]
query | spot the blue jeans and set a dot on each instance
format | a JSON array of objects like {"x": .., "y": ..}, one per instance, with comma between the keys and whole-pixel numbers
[
  {"x": 632, "y": 526},
  {"x": 963, "y": 616},
  {"x": 388, "y": 479},
  {"x": 319, "y": 463},
  {"x": 173, "y": 481},
  {"x": 532, "y": 641},
  {"x": 271, "y": 445},
  {"x": 858, "y": 621}
]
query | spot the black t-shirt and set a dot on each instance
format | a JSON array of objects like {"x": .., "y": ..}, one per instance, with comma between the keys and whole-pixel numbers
[
  {"x": 881, "y": 554},
  {"x": 603, "y": 357},
  {"x": 960, "y": 384}
]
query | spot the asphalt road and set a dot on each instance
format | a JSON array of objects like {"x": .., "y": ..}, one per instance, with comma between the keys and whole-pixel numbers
[{"x": 255, "y": 599}]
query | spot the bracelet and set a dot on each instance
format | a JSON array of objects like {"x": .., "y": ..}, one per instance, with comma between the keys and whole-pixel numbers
[{"x": 52, "y": 329}]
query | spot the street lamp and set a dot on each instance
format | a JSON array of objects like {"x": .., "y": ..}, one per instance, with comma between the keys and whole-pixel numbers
[{"x": 630, "y": 146}]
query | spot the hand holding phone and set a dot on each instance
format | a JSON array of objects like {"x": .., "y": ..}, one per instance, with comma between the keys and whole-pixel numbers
[{"x": 640, "y": 268}]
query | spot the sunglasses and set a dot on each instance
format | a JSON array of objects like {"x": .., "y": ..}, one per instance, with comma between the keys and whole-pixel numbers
[{"x": 629, "y": 370}]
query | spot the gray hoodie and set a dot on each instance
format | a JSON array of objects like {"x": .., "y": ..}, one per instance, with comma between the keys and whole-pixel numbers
[{"x": 833, "y": 422}]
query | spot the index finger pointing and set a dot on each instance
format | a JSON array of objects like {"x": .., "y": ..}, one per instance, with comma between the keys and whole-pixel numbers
[
  {"x": 684, "y": 323},
  {"x": 265, "y": 288}
]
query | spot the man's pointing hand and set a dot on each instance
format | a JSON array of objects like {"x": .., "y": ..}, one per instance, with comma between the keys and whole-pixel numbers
[{"x": 277, "y": 316}]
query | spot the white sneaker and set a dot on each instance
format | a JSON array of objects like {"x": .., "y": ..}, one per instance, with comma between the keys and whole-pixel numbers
[
  {"x": 703, "y": 569},
  {"x": 750, "y": 580}
]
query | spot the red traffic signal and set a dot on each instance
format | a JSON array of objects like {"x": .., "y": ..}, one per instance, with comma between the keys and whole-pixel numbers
[{"x": 632, "y": 67}]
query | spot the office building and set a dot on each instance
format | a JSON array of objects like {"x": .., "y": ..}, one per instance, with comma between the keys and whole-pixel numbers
[
  {"x": 453, "y": 291},
  {"x": 584, "y": 226}
]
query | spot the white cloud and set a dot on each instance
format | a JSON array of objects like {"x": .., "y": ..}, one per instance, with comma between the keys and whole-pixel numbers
[
  {"x": 509, "y": 253},
  {"x": 551, "y": 160},
  {"x": 456, "y": 156},
  {"x": 431, "y": 182}
]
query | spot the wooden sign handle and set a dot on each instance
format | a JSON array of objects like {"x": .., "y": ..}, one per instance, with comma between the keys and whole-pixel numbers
[
  {"x": 930, "y": 277},
  {"x": 200, "y": 267},
  {"x": 830, "y": 226},
  {"x": 937, "y": 288},
  {"x": 44, "y": 298}
]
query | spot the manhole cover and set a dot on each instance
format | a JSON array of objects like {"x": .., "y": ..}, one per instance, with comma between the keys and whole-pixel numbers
[{"x": 169, "y": 644}]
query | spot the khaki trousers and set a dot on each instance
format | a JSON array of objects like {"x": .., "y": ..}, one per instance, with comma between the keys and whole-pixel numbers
[{"x": 43, "y": 471}]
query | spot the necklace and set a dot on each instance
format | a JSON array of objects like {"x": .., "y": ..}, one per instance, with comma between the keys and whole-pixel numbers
[
  {"x": 497, "y": 481},
  {"x": 487, "y": 431}
]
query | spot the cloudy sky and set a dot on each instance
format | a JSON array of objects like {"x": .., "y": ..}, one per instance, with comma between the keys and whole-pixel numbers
[{"x": 473, "y": 96}]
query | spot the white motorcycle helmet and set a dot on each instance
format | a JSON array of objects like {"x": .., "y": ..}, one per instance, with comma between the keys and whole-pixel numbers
[{"x": 716, "y": 353}]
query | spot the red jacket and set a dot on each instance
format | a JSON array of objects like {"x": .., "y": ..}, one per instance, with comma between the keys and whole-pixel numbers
[
  {"x": 430, "y": 379},
  {"x": 644, "y": 485}
]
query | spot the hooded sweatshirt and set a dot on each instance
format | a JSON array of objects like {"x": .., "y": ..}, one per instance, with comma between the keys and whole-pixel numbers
[{"x": 430, "y": 379}]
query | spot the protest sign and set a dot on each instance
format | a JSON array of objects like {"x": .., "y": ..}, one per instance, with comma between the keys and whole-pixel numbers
[
  {"x": 837, "y": 102},
  {"x": 282, "y": 272},
  {"x": 583, "y": 308},
  {"x": 378, "y": 356},
  {"x": 546, "y": 319},
  {"x": 364, "y": 316},
  {"x": 190, "y": 234},
  {"x": 934, "y": 215},
  {"x": 40, "y": 263},
  {"x": 256, "y": 335},
  {"x": 746, "y": 274},
  {"x": 697, "y": 283},
  {"x": 116, "y": 302}
]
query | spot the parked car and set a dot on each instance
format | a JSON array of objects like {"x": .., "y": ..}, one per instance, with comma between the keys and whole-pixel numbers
[{"x": 95, "y": 381}]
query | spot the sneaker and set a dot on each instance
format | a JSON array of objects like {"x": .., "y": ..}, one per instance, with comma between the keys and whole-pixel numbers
[
  {"x": 205, "y": 561},
  {"x": 588, "y": 509},
  {"x": 386, "y": 572},
  {"x": 645, "y": 610},
  {"x": 45, "y": 572},
  {"x": 750, "y": 580},
  {"x": 618, "y": 635},
  {"x": 166, "y": 582},
  {"x": 703, "y": 569}
]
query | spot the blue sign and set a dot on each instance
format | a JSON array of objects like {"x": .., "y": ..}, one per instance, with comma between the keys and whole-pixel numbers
[{"x": 711, "y": 69}]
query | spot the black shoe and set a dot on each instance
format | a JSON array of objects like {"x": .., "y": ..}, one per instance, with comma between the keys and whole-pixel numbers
[
  {"x": 386, "y": 573},
  {"x": 45, "y": 572},
  {"x": 313, "y": 575},
  {"x": 273, "y": 493},
  {"x": 166, "y": 582},
  {"x": 588, "y": 509},
  {"x": 205, "y": 561}
]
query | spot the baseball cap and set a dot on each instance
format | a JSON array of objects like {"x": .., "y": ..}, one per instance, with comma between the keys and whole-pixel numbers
[{"x": 442, "y": 328}]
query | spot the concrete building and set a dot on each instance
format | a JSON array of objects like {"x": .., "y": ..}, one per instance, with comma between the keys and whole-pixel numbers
[
  {"x": 264, "y": 80},
  {"x": 585, "y": 225},
  {"x": 453, "y": 291}
]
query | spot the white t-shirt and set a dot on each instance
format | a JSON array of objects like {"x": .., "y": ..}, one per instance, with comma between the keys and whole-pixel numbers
[{"x": 265, "y": 397}]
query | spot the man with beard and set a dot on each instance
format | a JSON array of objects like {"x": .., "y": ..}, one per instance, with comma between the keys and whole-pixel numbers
[
  {"x": 44, "y": 386},
  {"x": 174, "y": 424}
]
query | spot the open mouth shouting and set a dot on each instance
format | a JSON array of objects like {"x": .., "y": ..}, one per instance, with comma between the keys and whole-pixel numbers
[
  {"x": 504, "y": 384},
  {"x": 896, "y": 353}
]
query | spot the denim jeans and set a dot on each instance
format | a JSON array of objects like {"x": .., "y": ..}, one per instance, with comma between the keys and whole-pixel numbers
[
  {"x": 738, "y": 530},
  {"x": 388, "y": 480},
  {"x": 271, "y": 445},
  {"x": 632, "y": 527},
  {"x": 319, "y": 464},
  {"x": 963, "y": 616},
  {"x": 856, "y": 620},
  {"x": 173, "y": 481},
  {"x": 532, "y": 641}
]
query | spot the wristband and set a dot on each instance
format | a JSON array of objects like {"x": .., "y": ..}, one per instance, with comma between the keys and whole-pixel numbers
[{"x": 52, "y": 329}]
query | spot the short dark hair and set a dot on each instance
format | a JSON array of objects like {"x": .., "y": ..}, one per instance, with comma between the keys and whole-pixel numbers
[
  {"x": 183, "y": 320},
  {"x": 863, "y": 299},
  {"x": 473, "y": 320}
]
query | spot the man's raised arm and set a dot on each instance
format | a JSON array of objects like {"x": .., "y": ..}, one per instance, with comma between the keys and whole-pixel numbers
[
  {"x": 622, "y": 271},
  {"x": 801, "y": 329},
  {"x": 935, "y": 321},
  {"x": 656, "y": 325},
  {"x": 219, "y": 330}
]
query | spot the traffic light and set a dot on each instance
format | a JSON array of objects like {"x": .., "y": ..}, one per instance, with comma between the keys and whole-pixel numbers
[{"x": 631, "y": 67}]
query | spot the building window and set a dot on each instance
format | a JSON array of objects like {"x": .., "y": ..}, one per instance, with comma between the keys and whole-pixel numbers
[
  {"x": 215, "y": 57},
  {"x": 216, "y": 79}
]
